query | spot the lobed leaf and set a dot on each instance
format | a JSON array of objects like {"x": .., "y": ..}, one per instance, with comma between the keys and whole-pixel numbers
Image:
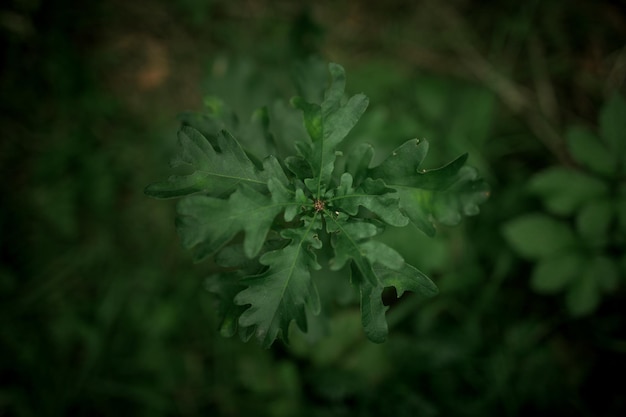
[
  {"x": 217, "y": 169},
  {"x": 444, "y": 194},
  {"x": 225, "y": 287},
  {"x": 406, "y": 278},
  {"x": 284, "y": 196},
  {"x": 358, "y": 161},
  {"x": 233, "y": 256},
  {"x": 206, "y": 223},
  {"x": 462, "y": 198},
  {"x": 373, "y": 195},
  {"x": 351, "y": 241},
  {"x": 401, "y": 168},
  {"x": 327, "y": 124},
  {"x": 281, "y": 294}
]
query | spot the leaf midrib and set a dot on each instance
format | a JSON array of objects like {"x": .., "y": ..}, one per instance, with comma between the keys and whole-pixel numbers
[
  {"x": 232, "y": 177},
  {"x": 291, "y": 269}
]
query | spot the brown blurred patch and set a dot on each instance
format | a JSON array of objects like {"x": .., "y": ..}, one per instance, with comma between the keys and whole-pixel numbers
[{"x": 142, "y": 62}]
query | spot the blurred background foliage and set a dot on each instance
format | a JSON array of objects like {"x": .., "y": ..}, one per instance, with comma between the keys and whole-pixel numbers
[{"x": 102, "y": 313}]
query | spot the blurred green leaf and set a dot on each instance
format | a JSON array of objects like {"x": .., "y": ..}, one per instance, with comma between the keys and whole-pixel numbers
[
  {"x": 613, "y": 126},
  {"x": 311, "y": 77},
  {"x": 470, "y": 116},
  {"x": 593, "y": 221},
  {"x": 552, "y": 275},
  {"x": 538, "y": 236},
  {"x": 343, "y": 333},
  {"x": 564, "y": 190},
  {"x": 583, "y": 296},
  {"x": 285, "y": 127},
  {"x": 462, "y": 198},
  {"x": 225, "y": 287},
  {"x": 606, "y": 272},
  {"x": 587, "y": 149},
  {"x": 335, "y": 384}
]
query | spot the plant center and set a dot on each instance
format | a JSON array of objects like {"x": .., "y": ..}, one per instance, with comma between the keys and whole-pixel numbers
[{"x": 319, "y": 205}]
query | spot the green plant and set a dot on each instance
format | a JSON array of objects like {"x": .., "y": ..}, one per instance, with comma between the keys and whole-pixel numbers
[
  {"x": 578, "y": 245},
  {"x": 294, "y": 210}
]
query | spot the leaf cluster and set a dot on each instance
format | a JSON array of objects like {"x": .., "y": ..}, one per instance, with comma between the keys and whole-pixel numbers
[
  {"x": 269, "y": 222},
  {"x": 578, "y": 244}
]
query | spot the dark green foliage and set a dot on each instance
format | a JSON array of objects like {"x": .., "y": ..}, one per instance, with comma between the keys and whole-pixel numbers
[
  {"x": 307, "y": 205},
  {"x": 583, "y": 257},
  {"x": 103, "y": 314}
]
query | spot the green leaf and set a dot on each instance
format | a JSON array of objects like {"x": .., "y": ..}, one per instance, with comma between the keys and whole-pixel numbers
[
  {"x": 407, "y": 278},
  {"x": 564, "y": 190},
  {"x": 311, "y": 77},
  {"x": 606, "y": 271},
  {"x": 284, "y": 196},
  {"x": 594, "y": 220},
  {"x": 401, "y": 167},
  {"x": 234, "y": 257},
  {"x": 417, "y": 204},
  {"x": 280, "y": 294},
  {"x": 327, "y": 125},
  {"x": 462, "y": 198},
  {"x": 613, "y": 126},
  {"x": 587, "y": 149},
  {"x": 373, "y": 312},
  {"x": 214, "y": 172},
  {"x": 554, "y": 274},
  {"x": 344, "y": 330},
  {"x": 373, "y": 195},
  {"x": 299, "y": 165},
  {"x": 583, "y": 295},
  {"x": 351, "y": 241},
  {"x": 378, "y": 266},
  {"x": 358, "y": 161},
  {"x": 207, "y": 223},
  {"x": 285, "y": 126},
  {"x": 538, "y": 236},
  {"x": 400, "y": 171},
  {"x": 443, "y": 195},
  {"x": 226, "y": 287},
  {"x": 312, "y": 114}
]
